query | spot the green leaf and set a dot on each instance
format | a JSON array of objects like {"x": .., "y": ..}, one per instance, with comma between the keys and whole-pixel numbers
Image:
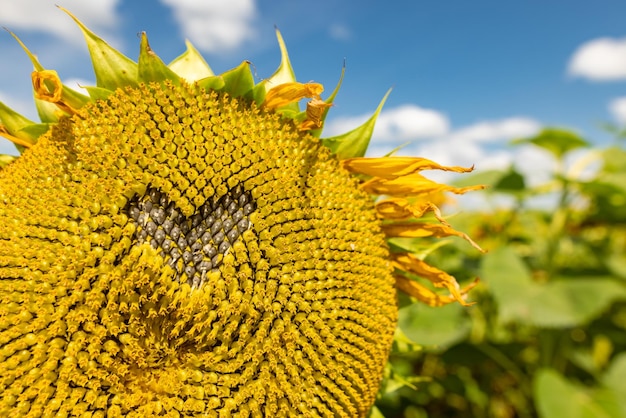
[
  {"x": 570, "y": 302},
  {"x": 556, "y": 397},
  {"x": 613, "y": 378},
  {"x": 355, "y": 142},
  {"x": 509, "y": 280},
  {"x": 191, "y": 65},
  {"x": 562, "y": 302},
  {"x": 112, "y": 68},
  {"x": 151, "y": 67},
  {"x": 512, "y": 181},
  {"x": 556, "y": 141},
  {"x": 434, "y": 328}
]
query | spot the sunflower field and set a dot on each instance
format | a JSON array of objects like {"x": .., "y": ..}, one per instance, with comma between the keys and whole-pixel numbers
[{"x": 546, "y": 336}]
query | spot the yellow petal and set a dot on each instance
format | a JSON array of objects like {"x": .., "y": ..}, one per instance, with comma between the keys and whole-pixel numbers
[
  {"x": 438, "y": 278},
  {"x": 420, "y": 230},
  {"x": 392, "y": 167},
  {"x": 287, "y": 93},
  {"x": 47, "y": 86},
  {"x": 398, "y": 208},
  {"x": 411, "y": 185},
  {"x": 423, "y": 294},
  {"x": 314, "y": 112}
]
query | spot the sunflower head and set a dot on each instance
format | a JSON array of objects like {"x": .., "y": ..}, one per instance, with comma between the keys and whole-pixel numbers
[{"x": 179, "y": 243}]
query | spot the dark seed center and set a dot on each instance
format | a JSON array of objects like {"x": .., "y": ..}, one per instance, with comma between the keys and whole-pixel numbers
[{"x": 196, "y": 245}]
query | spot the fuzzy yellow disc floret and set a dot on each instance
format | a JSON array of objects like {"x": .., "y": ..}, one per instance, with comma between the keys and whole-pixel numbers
[{"x": 178, "y": 252}]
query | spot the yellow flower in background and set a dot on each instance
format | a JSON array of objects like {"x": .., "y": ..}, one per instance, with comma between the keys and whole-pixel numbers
[{"x": 179, "y": 243}]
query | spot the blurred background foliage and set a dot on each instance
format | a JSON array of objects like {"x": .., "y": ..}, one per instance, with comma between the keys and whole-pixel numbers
[{"x": 546, "y": 335}]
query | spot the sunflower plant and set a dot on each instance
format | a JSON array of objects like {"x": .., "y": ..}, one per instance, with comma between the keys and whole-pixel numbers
[{"x": 180, "y": 243}]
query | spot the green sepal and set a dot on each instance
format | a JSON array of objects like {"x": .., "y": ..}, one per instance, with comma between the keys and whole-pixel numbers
[
  {"x": 98, "y": 93},
  {"x": 6, "y": 160},
  {"x": 283, "y": 74},
  {"x": 69, "y": 96},
  {"x": 330, "y": 100},
  {"x": 112, "y": 68},
  {"x": 73, "y": 98},
  {"x": 15, "y": 123},
  {"x": 46, "y": 111},
  {"x": 239, "y": 82},
  {"x": 355, "y": 142},
  {"x": 31, "y": 56},
  {"x": 190, "y": 65},
  {"x": 151, "y": 67},
  {"x": 215, "y": 82},
  {"x": 36, "y": 130}
]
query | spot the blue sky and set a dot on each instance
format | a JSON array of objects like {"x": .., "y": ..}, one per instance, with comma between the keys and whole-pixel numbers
[{"x": 467, "y": 76}]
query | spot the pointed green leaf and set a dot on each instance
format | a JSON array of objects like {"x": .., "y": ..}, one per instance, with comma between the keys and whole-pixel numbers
[
  {"x": 557, "y": 141},
  {"x": 330, "y": 100},
  {"x": 14, "y": 123},
  {"x": 215, "y": 82},
  {"x": 70, "y": 96},
  {"x": 35, "y": 130},
  {"x": 31, "y": 56},
  {"x": 73, "y": 98},
  {"x": 48, "y": 112},
  {"x": 98, "y": 93},
  {"x": 151, "y": 67},
  {"x": 6, "y": 159},
  {"x": 191, "y": 65},
  {"x": 112, "y": 68},
  {"x": 283, "y": 74},
  {"x": 355, "y": 143},
  {"x": 239, "y": 81}
]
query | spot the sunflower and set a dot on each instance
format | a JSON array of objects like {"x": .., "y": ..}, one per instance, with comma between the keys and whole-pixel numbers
[{"x": 179, "y": 243}]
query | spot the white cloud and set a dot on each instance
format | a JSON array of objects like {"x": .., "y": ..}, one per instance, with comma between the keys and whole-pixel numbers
[
  {"x": 402, "y": 123},
  {"x": 617, "y": 107},
  {"x": 215, "y": 25},
  {"x": 340, "y": 32},
  {"x": 45, "y": 17},
  {"x": 490, "y": 131},
  {"x": 601, "y": 59}
]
